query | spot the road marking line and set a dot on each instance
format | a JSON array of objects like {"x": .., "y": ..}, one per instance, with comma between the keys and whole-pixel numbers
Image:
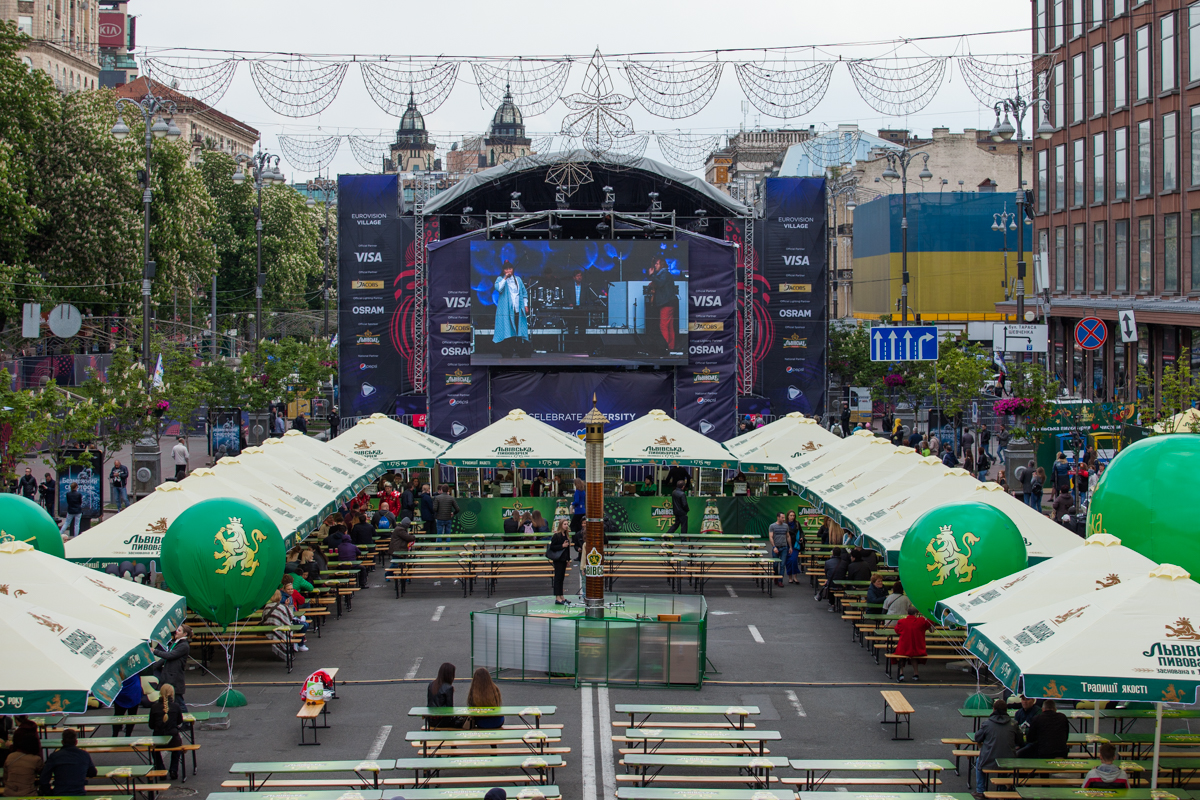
[
  {"x": 720, "y": 613},
  {"x": 795, "y": 701},
  {"x": 607, "y": 765},
  {"x": 754, "y": 632},
  {"x": 412, "y": 673},
  {"x": 588, "y": 750},
  {"x": 438, "y": 614},
  {"x": 729, "y": 589},
  {"x": 377, "y": 745}
]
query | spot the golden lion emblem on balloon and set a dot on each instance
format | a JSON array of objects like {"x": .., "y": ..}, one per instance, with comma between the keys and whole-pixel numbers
[
  {"x": 237, "y": 548},
  {"x": 948, "y": 559}
]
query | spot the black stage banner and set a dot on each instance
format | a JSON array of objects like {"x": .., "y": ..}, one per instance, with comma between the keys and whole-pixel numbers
[
  {"x": 370, "y": 292},
  {"x": 793, "y": 265},
  {"x": 458, "y": 392},
  {"x": 562, "y": 398},
  {"x": 706, "y": 389}
]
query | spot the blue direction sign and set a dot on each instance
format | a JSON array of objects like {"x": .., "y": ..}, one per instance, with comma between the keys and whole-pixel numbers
[{"x": 904, "y": 343}]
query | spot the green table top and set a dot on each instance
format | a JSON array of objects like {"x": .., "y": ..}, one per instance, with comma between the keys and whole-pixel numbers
[
  {"x": 751, "y": 762},
  {"x": 883, "y": 796},
  {"x": 1065, "y": 793},
  {"x": 533, "y": 735},
  {"x": 132, "y": 771},
  {"x": 1147, "y": 713},
  {"x": 1073, "y": 764},
  {"x": 1148, "y": 738},
  {"x": 520, "y": 711},
  {"x": 704, "y": 735},
  {"x": 973, "y": 713},
  {"x": 253, "y": 767},
  {"x": 872, "y": 765},
  {"x": 739, "y": 711},
  {"x": 479, "y": 762},
  {"x": 650, "y": 793},
  {"x": 83, "y": 797},
  {"x": 448, "y": 793},
  {"x": 110, "y": 741},
  {"x": 136, "y": 719},
  {"x": 246, "y": 629}
]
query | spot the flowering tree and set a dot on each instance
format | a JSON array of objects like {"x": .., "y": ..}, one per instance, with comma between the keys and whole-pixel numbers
[{"x": 1033, "y": 392}]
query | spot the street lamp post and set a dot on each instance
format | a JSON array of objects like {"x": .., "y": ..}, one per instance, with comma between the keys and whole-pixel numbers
[
  {"x": 901, "y": 160},
  {"x": 838, "y": 190},
  {"x": 264, "y": 171},
  {"x": 150, "y": 106},
  {"x": 1005, "y": 221},
  {"x": 326, "y": 188},
  {"x": 1017, "y": 107}
]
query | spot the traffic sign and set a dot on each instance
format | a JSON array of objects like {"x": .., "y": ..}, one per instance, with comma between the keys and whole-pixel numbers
[
  {"x": 1090, "y": 333},
  {"x": 1019, "y": 338},
  {"x": 1128, "y": 326},
  {"x": 904, "y": 343}
]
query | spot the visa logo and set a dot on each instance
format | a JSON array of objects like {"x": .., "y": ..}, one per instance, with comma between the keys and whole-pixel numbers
[
  {"x": 457, "y": 302},
  {"x": 706, "y": 300},
  {"x": 376, "y": 258},
  {"x": 795, "y": 261}
]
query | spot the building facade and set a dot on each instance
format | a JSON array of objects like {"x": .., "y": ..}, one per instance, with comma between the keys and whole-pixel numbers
[
  {"x": 117, "y": 40},
  {"x": 1117, "y": 187},
  {"x": 204, "y": 128},
  {"x": 412, "y": 151},
  {"x": 739, "y": 168},
  {"x": 65, "y": 37}
]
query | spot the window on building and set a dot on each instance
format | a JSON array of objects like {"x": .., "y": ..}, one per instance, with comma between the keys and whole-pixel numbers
[
  {"x": 1119, "y": 7},
  {"x": 1194, "y": 42},
  {"x": 25, "y": 25},
  {"x": 1043, "y": 252},
  {"x": 1060, "y": 177},
  {"x": 1171, "y": 253},
  {"x": 1121, "y": 256},
  {"x": 1099, "y": 88},
  {"x": 1145, "y": 255},
  {"x": 1043, "y": 179},
  {"x": 1120, "y": 164},
  {"x": 1170, "y": 152},
  {"x": 1145, "y": 178},
  {"x": 1060, "y": 259},
  {"x": 1099, "y": 264},
  {"x": 1196, "y": 255},
  {"x": 1141, "y": 46},
  {"x": 1076, "y": 18},
  {"x": 1060, "y": 98},
  {"x": 1043, "y": 88},
  {"x": 1195, "y": 148},
  {"x": 1097, "y": 13},
  {"x": 1077, "y": 173},
  {"x": 1077, "y": 259},
  {"x": 1167, "y": 57},
  {"x": 1040, "y": 25},
  {"x": 1120, "y": 72},
  {"x": 1098, "y": 168},
  {"x": 1077, "y": 88},
  {"x": 1058, "y": 25}
]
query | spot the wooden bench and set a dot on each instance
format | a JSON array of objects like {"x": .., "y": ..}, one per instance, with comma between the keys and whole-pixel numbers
[
  {"x": 734, "y": 716},
  {"x": 943, "y": 657},
  {"x": 902, "y": 711},
  {"x": 757, "y": 769},
  {"x": 533, "y": 769},
  {"x": 362, "y": 774},
  {"x": 923, "y": 773},
  {"x": 307, "y": 715},
  {"x": 648, "y": 793}
]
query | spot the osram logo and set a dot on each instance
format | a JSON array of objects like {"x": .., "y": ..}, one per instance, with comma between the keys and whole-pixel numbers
[
  {"x": 795, "y": 312},
  {"x": 795, "y": 261},
  {"x": 371, "y": 258},
  {"x": 707, "y": 349},
  {"x": 367, "y": 309},
  {"x": 457, "y": 302},
  {"x": 456, "y": 351},
  {"x": 706, "y": 300}
]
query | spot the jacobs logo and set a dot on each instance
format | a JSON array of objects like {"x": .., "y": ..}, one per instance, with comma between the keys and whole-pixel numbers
[
  {"x": 795, "y": 287},
  {"x": 361, "y": 285}
]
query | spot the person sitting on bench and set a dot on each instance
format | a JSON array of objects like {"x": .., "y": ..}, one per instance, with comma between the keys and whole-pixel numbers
[
  {"x": 998, "y": 737},
  {"x": 910, "y": 642},
  {"x": 484, "y": 694},
  {"x": 1106, "y": 774},
  {"x": 67, "y": 769},
  {"x": 1048, "y": 734}
]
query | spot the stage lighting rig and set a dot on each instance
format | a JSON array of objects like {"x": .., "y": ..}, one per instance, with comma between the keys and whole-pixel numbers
[
  {"x": 655, "y": 203},
  {"x": 602, "y": 228},
  {"x": 610, "y": 198},
  {"x": 468, "y": 222},
  {"x": 514, "y": 203},
  {"x": 560, "y": 198}
]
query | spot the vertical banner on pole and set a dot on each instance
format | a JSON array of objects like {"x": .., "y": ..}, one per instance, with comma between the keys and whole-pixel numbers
[
  {"x": 458, "y": 392},
  {"x": 706, "y": 389},
  {"x": 794, "y": 267}
]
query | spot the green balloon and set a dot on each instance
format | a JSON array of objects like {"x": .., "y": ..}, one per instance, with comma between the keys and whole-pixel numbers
[
  {"x": 225, "y": 556},
  {"x": 1147, "y": 499},
  {"x": 955, "y": 548},
  {"x": 22, "y": 520}
]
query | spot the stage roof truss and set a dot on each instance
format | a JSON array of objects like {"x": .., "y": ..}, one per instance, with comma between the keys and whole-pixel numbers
[{"x": 642, "y": 224}]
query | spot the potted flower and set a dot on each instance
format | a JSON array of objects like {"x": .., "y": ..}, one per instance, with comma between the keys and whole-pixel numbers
[{"x": 160, "y": 408}]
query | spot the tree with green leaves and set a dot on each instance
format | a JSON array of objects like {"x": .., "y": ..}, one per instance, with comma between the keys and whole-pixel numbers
[
  {"x": 24, "y": 425},
  {"x": 1175, "y": 393},
  {"x": 961, "y": 374},
  {"x": 1034, "y": 391},
  {"x": 123, "y": 391}
]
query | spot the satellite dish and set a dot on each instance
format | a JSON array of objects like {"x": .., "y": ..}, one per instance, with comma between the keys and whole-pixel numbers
[{"x": 65, "y": 320}]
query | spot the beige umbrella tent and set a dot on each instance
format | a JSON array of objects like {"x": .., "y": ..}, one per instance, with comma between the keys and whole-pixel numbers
[{"x": 767, "y": 448}]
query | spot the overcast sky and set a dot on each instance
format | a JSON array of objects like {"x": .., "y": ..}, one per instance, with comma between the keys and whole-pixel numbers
[{"x": 569, "y": 27}]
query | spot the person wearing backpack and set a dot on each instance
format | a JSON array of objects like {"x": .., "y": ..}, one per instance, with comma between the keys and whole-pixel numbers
[
  {"x": 1025, "y": 476},
  {"x": 1061, "y": 475}
]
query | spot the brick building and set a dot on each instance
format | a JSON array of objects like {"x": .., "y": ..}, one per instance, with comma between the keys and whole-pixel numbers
[{"x": 65, "y": 37}]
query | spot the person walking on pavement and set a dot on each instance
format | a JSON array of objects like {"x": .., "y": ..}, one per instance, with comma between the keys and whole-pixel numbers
[
  {"x": 74, "y": 510},
  {"x": 118, "y": 480},
  {"x": 179, "y": 454},
  {"x": 48, "y": 491},
  {"x": 300, "y": 423},
  {"x": 781, "y": 542},
  {"x": 28, "y": 485},
  {"x": 445, "y": 507},
  {"x": 679, "y": 508},
  {"x": 173, "y": 662},
  {"x": 334, "y": 421},
  {"x": 427, "y": 518}
]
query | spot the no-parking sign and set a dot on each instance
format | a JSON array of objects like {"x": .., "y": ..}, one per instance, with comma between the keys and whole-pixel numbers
[{"x": 1090, "y": 333}]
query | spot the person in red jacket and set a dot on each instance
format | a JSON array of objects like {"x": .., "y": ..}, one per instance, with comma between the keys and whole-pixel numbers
[{"x": 910, "y": 632}]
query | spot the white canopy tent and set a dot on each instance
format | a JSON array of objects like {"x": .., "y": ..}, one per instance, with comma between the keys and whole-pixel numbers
[
  {"x": 810, "y": 467},
  {"x": 886, "y": 478},
  {"x": 656, "y": 438},
  {"x": 516, "y": 440},
  {"x": 134, "y": 535},
  {"x": 882, "y": 523},
  {"x": 302, "y": 453},
  {"x": 765, "y": 449},
  {"x": 389, "y": 444},
  {"x": 1100, "y": 563},
  {"x": 233, "y": 477},
  {"x": 869, "y": 462}
]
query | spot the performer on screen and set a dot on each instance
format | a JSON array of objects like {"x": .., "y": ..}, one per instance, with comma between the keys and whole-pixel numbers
[
  {"x": 661, "y": 308},
  {"x": 581, "y": 300},
  {"x": 512, "y": 311}
]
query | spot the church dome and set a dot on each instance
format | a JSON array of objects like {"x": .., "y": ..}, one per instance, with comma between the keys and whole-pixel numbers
[
  {"x": 411, "y": 120},
  {"x": 507, "y": 115}
]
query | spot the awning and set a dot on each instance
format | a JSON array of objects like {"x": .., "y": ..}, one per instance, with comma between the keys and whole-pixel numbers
[
  {"x": 517, "y": 438},
  {"x": 767, "y": 448},
  {"x": 389, "y": 444},
  {"x": 656, "y": 438}
]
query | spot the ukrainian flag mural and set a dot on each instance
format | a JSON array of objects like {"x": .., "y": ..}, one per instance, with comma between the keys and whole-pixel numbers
[{"x": 955, "y": 259}]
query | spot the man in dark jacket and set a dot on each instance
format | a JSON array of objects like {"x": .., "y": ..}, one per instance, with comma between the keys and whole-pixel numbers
[
  {"x": 300, "y": 424},
  {"x": 27, "y": 486},
  {"x": 1027, "y": 713},
  {"x": 74, "y": 510},
  {"x": 173, "y": 659},
  {"x": 859, "y": 569},
  {"x": 998, "y": 737},
  {"x": 426, "y": 501},
  {"x": 444, "y": 509},
  {"x": 408, "y": 503},
  {"x": 914, "y": 439},
  {"x": 679, "y": 508},
  {"x": 1048, "y": 734},
  {"x": 48, "y": 491},
  {"x": 67, "y": 769},
  {"x": 1025, "y": 476},
  {"x": 835, "y": 570},
  {"x": 118, "y": 481},
  {"x": 362, "y": 533},
  {"x": 384, "y": 518}
]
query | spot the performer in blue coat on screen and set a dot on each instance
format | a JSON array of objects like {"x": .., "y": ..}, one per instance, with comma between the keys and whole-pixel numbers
[{"x": 512, "y": 310}]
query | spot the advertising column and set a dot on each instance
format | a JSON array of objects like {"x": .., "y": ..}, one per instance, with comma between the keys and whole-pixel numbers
[
  {"x": 794, "y": 264},
  {"x": 370, "y": 370}
]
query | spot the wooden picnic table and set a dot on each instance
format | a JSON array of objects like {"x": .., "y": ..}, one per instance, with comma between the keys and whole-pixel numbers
[
  {"x": 1143, "y": 743},
  {"x": 633, "y": 709},
  {"x": 207, "y": 638},
  {"x": 136, "y": 744},
  {"x": 521, "y": 712},
  {"x": 652, "y": 793},
  {"x": 758, "y": 768},
  {"x": 367, "y": 771},
  {"x": 447, "y": 793},
  {"x": 543, "y": 766},
  {"x": 80, "y": 797},
  {"x": 1073, "y": 793},
  {"x": 1024, "y": 768},
  {"x": 803, "y": 795},
  {"x": 1078, "y": 717},
  {"x": 535, "y": 739},
  {"x": 817, "y": 771},
  {"x": 732, "y": 737}
]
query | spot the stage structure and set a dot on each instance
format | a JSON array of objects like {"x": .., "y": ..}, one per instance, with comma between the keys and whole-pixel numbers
[{"x": 545, "y": 280}]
